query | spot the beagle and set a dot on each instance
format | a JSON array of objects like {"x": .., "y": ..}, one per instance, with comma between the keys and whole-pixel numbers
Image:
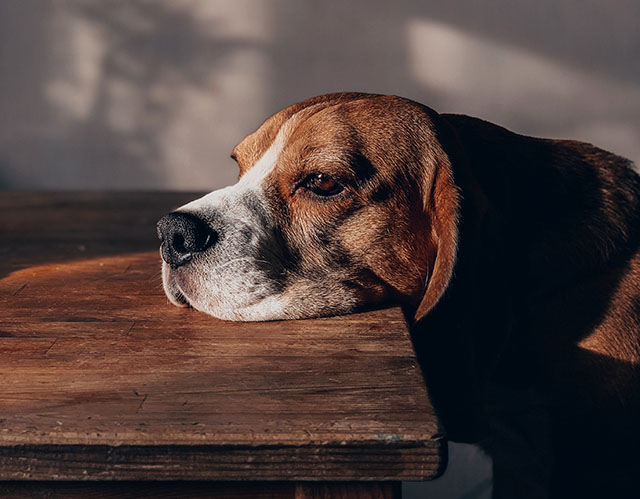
[{"x": 516, "y": 258}]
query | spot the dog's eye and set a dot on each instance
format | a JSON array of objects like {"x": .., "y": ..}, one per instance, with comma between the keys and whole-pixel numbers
[{"x": 323, "y": 184}]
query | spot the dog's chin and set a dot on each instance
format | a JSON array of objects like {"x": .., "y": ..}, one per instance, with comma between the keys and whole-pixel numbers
[
  {"x": 270, "y": 308},
  {"x": 275, "y": 307}
]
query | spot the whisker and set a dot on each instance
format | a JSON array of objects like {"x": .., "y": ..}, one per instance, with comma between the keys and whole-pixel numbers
[
  {"x": 235, "y": 260},
  {"x": 155, "y": 276}
]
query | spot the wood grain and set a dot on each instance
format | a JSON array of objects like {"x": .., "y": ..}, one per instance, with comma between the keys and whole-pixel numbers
[{"x": 103, "y": 379}]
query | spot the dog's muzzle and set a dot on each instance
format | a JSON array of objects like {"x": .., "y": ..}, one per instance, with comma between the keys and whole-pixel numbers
[{"x": 182, "y": 235}]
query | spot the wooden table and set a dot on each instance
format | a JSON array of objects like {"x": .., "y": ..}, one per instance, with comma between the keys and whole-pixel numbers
[{"x": 105, "y": 384}]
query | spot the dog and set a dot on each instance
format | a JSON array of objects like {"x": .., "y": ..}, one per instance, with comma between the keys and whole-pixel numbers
[{"x": 516, "y": 260}]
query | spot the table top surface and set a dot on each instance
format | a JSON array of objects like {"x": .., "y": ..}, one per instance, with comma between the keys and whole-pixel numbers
[{"x": 102, "y": 378}]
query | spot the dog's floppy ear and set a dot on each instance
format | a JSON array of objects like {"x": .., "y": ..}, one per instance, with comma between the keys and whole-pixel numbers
[{"x": 441, "y": 201}]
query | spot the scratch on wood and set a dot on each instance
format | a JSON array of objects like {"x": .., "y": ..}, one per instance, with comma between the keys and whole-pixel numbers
[
  {"x": 141, "y": 402},
  {"x": 133, "y": 324},
  {"x": 17, "y": 292},
  {"x": 50, "y": 346}
]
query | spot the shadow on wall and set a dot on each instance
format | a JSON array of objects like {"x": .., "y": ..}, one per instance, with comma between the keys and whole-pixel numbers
[
  {"x": 102, "y": 101},
  {"x": 154, "y": 94}
]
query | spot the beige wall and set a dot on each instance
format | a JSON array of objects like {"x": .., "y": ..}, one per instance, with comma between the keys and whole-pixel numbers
[{"x": 154, "y": 94}]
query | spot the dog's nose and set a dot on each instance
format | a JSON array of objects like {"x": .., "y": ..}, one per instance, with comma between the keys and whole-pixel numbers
[{"x": 182, "y": 235}]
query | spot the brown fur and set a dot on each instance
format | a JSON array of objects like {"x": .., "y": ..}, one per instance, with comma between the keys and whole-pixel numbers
[{"x": 517, "y": 259}]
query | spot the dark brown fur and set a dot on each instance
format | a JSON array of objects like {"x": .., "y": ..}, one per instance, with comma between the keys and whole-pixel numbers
[{"x": 538, "y": 334}]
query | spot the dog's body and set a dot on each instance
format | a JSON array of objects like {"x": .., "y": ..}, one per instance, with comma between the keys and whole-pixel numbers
[
  {"x": 548, "y": 276},
  {"x": 517, "y": 259}
]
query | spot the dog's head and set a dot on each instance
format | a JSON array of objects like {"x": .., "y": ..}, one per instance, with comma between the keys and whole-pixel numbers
[{"x": 343, "y": 201}]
